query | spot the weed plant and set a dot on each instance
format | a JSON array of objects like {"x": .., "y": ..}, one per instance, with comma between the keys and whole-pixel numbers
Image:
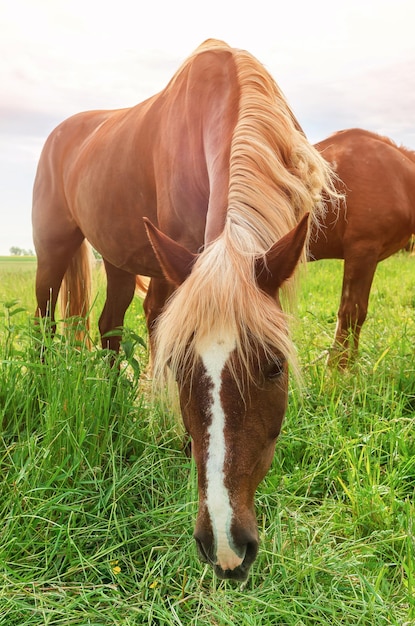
[{"x": 98, "y": 499}]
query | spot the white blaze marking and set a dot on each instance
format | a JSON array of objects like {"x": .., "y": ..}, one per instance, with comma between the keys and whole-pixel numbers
[{"x": 214, "y": 356}]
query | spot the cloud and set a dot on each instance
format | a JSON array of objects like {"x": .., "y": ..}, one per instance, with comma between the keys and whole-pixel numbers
[{"x": 381, "y": 99}]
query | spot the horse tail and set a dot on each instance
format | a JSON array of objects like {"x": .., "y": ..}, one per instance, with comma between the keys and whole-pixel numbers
[
  {"x": 75, "y": 293},
  {"x": 141, "y": 285}
]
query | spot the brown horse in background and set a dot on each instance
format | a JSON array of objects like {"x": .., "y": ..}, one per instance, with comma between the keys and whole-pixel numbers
[
  {"x": 375, "y": 220},
  {"x": 205, "y": 188}
]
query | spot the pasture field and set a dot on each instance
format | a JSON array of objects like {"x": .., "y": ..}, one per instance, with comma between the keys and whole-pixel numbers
[{"x": 98, "y": 500}]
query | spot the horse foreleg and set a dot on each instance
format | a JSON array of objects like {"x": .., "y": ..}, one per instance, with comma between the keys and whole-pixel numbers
[
  {"x": 120, "y": 292},
  {"x": 358, "y": 275},
  {"x": 158, "y": 292}
]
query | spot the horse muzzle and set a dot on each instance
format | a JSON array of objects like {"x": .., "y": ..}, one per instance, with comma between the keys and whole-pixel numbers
[{"x": 234, "y": 566}]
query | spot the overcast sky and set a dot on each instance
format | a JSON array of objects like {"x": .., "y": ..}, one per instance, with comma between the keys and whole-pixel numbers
[{"x": 340, "y": 65}]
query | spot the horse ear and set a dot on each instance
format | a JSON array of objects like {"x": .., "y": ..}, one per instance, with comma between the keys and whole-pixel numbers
[
  {"x": 175, "y": 260},
  {"x": 280, "y": 260}
]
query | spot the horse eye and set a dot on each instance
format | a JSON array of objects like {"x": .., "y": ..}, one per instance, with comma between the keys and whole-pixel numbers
[{"x": 274, "y": 369}]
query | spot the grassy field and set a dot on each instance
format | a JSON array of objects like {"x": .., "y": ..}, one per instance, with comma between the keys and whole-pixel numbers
[{"x": 98, "y": 500}]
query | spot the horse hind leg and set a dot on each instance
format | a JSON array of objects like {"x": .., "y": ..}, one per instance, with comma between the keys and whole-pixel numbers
[
  {"x": 53, "y": 260},
  {"x": 358, "y": 276},
  {"x": 120, "y": 292}
]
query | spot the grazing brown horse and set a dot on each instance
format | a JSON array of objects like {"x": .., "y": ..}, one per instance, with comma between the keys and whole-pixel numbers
[
  {"x": 204, "y": 188},
  {"x": 375, "y": 220}
]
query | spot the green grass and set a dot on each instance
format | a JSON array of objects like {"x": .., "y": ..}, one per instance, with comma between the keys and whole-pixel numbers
[{"x": 98, "y": 500}]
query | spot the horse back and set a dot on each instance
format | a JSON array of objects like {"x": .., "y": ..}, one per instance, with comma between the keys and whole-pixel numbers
[{"x": 166, "y": 158}]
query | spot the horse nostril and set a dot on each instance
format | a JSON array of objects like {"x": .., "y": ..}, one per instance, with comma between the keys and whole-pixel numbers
[
  {"x": 200, "y": 550},
  {"x": 251, "y": 552}
]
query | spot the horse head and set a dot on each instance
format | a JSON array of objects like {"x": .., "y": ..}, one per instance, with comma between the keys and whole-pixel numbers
[{"x": 233, "y": 403}]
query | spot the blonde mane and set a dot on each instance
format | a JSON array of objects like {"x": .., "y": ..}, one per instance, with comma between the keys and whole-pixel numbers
[{"x": 275, "y": 177}]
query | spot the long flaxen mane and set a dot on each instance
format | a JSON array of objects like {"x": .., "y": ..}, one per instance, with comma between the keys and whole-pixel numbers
[{"x": 276, "y": 176}]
